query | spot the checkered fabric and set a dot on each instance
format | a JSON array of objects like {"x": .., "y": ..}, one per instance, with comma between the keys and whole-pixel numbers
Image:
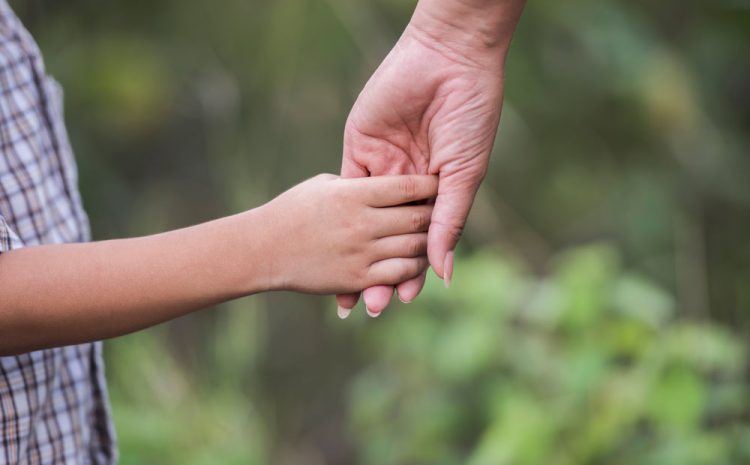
[{"x": 53, "y": 403}]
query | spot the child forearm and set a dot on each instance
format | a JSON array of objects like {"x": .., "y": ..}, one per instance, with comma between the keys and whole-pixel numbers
[
  {"x": 325, "y": 235},
  {"x": 56, "y": 295}
]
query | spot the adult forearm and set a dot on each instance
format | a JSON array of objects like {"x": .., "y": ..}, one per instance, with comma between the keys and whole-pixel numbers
[
  {"x": 472, "y": 26},
  {"x": 63, "y": 294}
]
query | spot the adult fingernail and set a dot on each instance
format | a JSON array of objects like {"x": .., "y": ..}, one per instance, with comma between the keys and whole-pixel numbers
[
  {"x": 403, "y": 301},
  {"x": 372, "y": 314},
  {"x": 448, "y": 269},
  {"x": 343, "y": 312}
]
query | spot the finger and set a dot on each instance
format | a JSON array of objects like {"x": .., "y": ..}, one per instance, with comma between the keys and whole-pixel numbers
[
  {"x": 448, "y": 218},
  {"x": 410, "y": 289},
  {"x": 346, "y": 303},
  {"x": 388, "y": 191},
  {"x": 349, "y": 169},
  {"x": 377, "y": 299},
  {"x": 396, "y": 270},
  {"x": 401, "y": 220},
  {"x": 405, "y": 245}
]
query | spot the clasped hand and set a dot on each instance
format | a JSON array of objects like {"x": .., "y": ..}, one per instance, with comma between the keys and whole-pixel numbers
[{"x": 427, "y": 110}]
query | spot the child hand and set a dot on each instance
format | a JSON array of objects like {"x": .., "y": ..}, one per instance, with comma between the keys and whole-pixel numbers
[{"x": 332, "y": 235}]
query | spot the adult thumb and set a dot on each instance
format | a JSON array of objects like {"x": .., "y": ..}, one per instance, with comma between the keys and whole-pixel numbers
[{"x": 452, "y": 207}]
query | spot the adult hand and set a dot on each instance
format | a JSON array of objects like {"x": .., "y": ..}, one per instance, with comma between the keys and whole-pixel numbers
[{"x": 433, "y": 106}]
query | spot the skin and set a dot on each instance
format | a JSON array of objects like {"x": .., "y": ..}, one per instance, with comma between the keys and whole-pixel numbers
[
  {"x": 433, "y": 106},
  {"x": 325, "y": 235}
]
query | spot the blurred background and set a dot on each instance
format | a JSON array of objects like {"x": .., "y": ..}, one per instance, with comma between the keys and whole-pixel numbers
[{"x": 599, "y": 313}]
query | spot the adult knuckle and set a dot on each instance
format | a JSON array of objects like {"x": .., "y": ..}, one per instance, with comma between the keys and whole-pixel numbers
[
  {"x": 455, "y": 232},
  {"x": 452, "y": 230}
]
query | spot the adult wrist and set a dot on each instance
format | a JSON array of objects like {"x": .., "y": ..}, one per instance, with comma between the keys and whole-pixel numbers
[{"x": 474, "y": 28}]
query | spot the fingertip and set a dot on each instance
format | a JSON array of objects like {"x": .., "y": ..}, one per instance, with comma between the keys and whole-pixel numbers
[
  {"x": 371, "y": 313},
  {"x": 342, "y": 312},
  {"x": 347, "y": 301},
  {"x": 377, "y": 299},
  {"x": 409, "y": 290}
]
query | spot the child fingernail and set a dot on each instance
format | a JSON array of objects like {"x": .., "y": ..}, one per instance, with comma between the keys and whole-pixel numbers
[
  {"x": 372, "y": 314},
  {"x": 343, "y": 312},
  {"x": 448, "y": 269}
]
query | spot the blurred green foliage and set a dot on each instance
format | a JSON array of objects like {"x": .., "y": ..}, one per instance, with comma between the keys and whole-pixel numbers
[
  {"x": 585, "y": 365},
  {"x": 625, "y": 124}
]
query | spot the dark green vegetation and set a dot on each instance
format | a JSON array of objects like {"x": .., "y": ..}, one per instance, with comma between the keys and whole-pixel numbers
[{"x": 599, "y": 313}]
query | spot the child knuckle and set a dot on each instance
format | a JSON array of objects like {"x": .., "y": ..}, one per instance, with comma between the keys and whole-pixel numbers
[
  {"x": 359, "y": 229},
  {"x": 360, "y": 276},
  {"x": 342, "y": 195},
  {"x": 408, "y": 187},
  {"x": 415, "y": 246},
  {"x": 418, "y": 221},
  {"x": 406, "y": 271},
  {"x": 415, "y": 221},
  {"x": 324, "y": 177}
]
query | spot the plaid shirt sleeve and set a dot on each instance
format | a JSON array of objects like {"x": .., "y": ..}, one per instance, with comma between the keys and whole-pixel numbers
[
  {"x": 9, "y": 240},
  {"x": 54, "y": 406}
]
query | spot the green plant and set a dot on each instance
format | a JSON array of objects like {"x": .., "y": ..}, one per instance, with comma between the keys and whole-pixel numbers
[{"x": 587, "y": 365}]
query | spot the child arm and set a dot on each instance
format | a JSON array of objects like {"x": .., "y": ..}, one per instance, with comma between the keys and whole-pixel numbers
[{"x": 325, "y": 235}]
